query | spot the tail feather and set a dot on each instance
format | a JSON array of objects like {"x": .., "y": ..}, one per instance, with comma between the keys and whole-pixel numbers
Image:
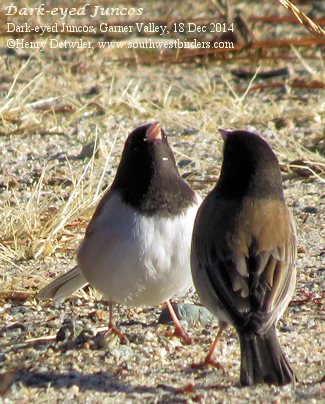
[
  {"x": 262, "y": 359},
  {"x": 63, "y": 286}
]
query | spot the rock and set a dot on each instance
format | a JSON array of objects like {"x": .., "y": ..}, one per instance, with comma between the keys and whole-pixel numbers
[
  {"x": 89, "y": 149},
  {"x": 84, "y": 336},
  {"x": 66, "y": 332},
  {"x": 310, "y": 209},
  {"x": 19, "y": 309},
  {"x": 122, "y": 352},
  {"x": 185, "y": 162},
  {"x": 286, "y": 328},
  {"x": 107, "y": 340},
  {"x": 189, "y": 313}
]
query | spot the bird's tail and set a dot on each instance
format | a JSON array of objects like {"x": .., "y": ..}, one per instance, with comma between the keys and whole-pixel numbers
[
  {"x": 63, "y": 286},
  {"x": 262, "y": 359}
]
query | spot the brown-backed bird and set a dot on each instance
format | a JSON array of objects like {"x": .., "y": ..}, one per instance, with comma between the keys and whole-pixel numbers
[{"x": 243, "y": 255}]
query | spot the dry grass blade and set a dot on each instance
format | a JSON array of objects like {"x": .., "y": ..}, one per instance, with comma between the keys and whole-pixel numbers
[
  {"x": 309, "y": 24},
  {"x": 29, "y": 230}
]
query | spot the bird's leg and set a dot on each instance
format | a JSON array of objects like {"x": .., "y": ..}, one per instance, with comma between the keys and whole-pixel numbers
[
  {"x": 112, "y": 327},
  {"x": 179, "y": 332},
  {"x": 209, "y": 358}
]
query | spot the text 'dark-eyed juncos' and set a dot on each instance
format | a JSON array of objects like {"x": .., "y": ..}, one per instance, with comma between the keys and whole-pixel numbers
[
  {"x": 243, "y": 255},
  {"x": 136, "y": 250}
]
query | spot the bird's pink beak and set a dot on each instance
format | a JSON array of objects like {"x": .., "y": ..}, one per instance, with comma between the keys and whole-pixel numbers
[
  {"x": 153, "y": 132},
  {"x": 224, "y": 133}
]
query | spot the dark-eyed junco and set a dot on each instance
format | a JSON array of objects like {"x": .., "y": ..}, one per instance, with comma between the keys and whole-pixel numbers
[
  {"x": 243, "y": 255},
  {"x": 136, "y": 250}
]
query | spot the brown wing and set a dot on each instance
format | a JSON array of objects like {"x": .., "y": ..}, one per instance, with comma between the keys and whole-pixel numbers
[{"x": 251, "y": 265}]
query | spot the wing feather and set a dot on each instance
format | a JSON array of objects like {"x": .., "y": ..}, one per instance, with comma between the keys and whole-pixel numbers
[{"x": 255, "y": 288}]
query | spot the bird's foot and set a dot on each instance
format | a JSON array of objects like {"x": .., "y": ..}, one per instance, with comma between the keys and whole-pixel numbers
[
  {"x": 206, "y": 362},
  {"x": 180, "y": 333},
  {"x": 114, "y": 330}
]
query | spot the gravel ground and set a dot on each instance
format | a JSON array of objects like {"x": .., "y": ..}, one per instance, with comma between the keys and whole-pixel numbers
[
  {"x": 74, "y": 364},
  {"x": 47, "y": 187}
]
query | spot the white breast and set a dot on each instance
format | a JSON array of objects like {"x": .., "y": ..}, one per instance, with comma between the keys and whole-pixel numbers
[{"x": 138, "y": 260}]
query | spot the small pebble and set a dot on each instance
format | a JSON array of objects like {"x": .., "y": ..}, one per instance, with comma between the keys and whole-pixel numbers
[
  {"x": 310, "y": 209},
  {"x": 300, "y": 203},
  {"x": 3, "y": 357},
  {"x": 84, "y": 337},
  {"x": 122, "y": 352},
  {"x": 137, "y": 338},
  {"x": 19, "y": 310},
  {"x": 38, "y": 308},
  {"x": 66, "y": 332},
  {"x": 184, "y": 163},
  {"x": 107, "y": 340},
  {"x": 78, "y": 302},
  {"x": 286, "y": 328},
  {"x": 161, "y": 354},
  {"x": 89, "y": 149},
  {"x": 86, "y": 346}
]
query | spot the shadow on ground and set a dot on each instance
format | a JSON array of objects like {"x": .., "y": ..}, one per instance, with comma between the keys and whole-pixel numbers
[{"x": 101, "y": 381}]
